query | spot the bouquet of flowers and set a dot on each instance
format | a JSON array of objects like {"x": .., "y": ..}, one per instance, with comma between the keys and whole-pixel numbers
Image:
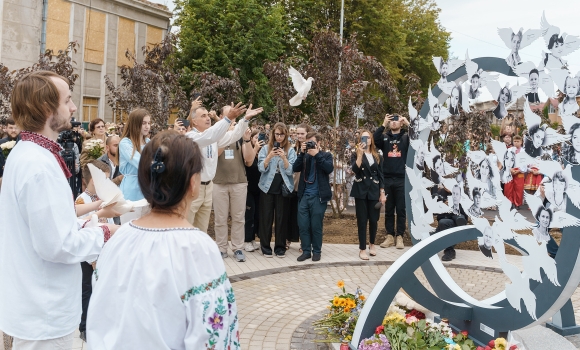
[
  {"x": 344, "y": 309},
  {"x": 94, "y": 148},
  {"x": 7, "y": 148},
  {"x": 499, "y": 344}
]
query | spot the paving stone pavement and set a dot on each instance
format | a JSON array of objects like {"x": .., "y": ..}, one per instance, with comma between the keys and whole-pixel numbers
[{"x": 278, "y": 297}]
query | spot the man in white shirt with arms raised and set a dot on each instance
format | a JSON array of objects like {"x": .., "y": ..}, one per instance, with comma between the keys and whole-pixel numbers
[
  {"x": 41, "y": 243},
  {"x": 209, "y": 138}
]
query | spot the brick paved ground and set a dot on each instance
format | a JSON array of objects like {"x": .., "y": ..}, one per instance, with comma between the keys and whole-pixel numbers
[{"x": 277, "y": 298}]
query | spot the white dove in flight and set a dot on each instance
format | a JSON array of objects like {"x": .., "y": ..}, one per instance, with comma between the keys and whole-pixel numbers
[
  {"x": 301, "y": 85},
  {"x": 519, "y": 289}
]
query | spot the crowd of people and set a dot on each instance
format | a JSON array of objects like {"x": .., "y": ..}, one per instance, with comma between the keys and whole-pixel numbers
[{"x": 162, "y": 268}]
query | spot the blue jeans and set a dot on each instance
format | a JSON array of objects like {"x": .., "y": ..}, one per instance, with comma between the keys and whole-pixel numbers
[{"x": 310, "y": 216}]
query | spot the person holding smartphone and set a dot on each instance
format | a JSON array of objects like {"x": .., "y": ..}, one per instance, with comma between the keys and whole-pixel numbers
[
  {"x": 368, "y": 191},
  {"x": 394, "y": 144}
]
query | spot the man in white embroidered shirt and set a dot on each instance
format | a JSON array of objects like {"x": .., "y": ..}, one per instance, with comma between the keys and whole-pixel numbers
[
  {"x": 209, "y": 138},
  {"x": 41, "y": 243}
]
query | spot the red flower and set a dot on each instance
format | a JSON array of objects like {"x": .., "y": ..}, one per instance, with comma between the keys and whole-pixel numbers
[
  {"x": 480, "y": 348},
  {"x": 464, "y": 333},
  {"x": 491, "y": 344},
  {"x": 379, "y": 329},
  {"x": 514, "y": 347},
  {"x": 487, "y": 348}
]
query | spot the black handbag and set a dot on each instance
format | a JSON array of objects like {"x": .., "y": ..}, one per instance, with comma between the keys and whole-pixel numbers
[{"x": 286, "y": 193}]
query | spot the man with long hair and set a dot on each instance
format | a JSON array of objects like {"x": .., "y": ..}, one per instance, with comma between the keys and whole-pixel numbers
[{"x": 41, "y": 242}]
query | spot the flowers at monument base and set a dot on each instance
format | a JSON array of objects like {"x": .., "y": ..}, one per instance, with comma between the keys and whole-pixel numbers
[
  {"x": 338, "y": 324},
  {"x": 94, "y": 148},
  {"x": 7, "y": 148},
  {"x": 499, "y": 344},
  {"x": 376, "y": 342}
]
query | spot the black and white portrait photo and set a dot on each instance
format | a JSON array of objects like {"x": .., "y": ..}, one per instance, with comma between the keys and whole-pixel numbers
[
  {"x": 474, "y": 87},
  {"x": 414, "y": 128},
  {"x": 543, "y": 218},
  {"x": 475, "y": 209},
  {"x": 484, "y": 174},
  {"x": 572, "y": 150},
  {"x": 420, "y": 157},
  {"x": 514, "y": 57},
  {"x": 486, "y": 242},
  {"x": 559, "y": 44},
  {"x": 535, "y": 140},
  {"x": 557, "y": 194},
  {"x": 569, "y": 105},
  {"x": 436, "y": 116},
  {"x": 509, "y": 161},
  {"x": 505, "y": 97},
  {"x": 534, "y": 81},
  {"x": 455, "y": 100},
  {"x": 439, "y": 170}
]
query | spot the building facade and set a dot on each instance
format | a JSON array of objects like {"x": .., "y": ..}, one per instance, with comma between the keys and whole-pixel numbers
[{"x": 104, "y": 30}]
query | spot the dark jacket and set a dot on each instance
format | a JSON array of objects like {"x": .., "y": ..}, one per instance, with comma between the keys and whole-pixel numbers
[
  {"x": 394, "y": 164},
  {"x": 324, "y": 167},
  {"x": 368, "y": 179},
  {"x": 105, "y": 159},
  {"x": 8, "y": 138}
]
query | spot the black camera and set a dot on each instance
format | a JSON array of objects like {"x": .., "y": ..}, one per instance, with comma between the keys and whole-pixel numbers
[
  {"x": 395, "y": 117},
  {"x": 276, "y": 144},
  {"x": 310, "y": 145},
  {"x": 67, "y": 139}
]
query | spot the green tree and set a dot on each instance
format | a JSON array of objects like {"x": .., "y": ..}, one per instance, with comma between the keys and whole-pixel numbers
[{"x": 220, "y": 35}]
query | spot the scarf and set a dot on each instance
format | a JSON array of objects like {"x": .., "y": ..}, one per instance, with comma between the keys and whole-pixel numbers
[{"x": 49, "y": 145}]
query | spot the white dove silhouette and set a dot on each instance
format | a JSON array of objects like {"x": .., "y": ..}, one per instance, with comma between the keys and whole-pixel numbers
[
  {"x": 301, "y": 85},
  {"x": 537, "y": 259},
  {"x": 518, "y": 289}
]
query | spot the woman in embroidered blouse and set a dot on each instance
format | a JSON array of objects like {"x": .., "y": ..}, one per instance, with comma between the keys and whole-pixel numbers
[
  {"x": 133, "y": 140},
  {"x": 162, "y": 283}
]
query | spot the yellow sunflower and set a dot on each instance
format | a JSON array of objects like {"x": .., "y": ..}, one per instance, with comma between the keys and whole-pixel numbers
[
  {"x": 346, "y": 309},
  {"x": 340, "y": 284},
  {"x": 336, "y": 301},
  {"x": 361, "y": 297}
]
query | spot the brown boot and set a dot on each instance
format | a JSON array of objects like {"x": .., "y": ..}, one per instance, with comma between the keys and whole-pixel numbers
[
  {"x": 400, "y": 244},
  {"x": 389, "y": 242}
]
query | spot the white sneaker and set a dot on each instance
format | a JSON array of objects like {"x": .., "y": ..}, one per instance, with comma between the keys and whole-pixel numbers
[
  {"x": 256, "y": 245},
  {"x": 249, "y": 247}
]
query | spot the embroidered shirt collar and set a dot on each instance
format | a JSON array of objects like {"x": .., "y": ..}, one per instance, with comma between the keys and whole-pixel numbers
[{"x": 48, "y": 144}]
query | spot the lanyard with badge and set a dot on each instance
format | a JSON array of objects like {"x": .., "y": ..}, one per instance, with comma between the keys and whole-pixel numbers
[{"x": 229, "y": 153}]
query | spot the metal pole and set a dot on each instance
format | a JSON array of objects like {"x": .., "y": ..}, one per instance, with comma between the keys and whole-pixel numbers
[
  {"x": 339, "y": 67},
  {"x": 43, "y": 29}
]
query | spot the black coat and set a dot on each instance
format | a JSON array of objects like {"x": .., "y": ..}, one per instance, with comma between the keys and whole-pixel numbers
[{"x": 368, "y": 179}]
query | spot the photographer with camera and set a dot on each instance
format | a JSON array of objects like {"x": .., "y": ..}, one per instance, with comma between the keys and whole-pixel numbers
[
  {"x": 394, "y": 144},
  {"x": 315, "y": 166}
]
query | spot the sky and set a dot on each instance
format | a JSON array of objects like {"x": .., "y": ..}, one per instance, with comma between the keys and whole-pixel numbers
[{"x": 473, "y": 26}]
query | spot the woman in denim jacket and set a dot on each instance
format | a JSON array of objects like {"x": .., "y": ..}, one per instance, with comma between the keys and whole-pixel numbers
[{"x": 275, "y": 163}]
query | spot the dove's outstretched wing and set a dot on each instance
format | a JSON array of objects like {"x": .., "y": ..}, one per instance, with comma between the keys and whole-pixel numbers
[
  {"x": 297, "y": 79},
  {"x": 573, "y": 191},
  {"x": 499, "y": 148},
  {"x": 547, "y": 29},
  {"x": 568, "y": 121},
  {"x": 562, "y": 219},
  {"x": 107, "y": 191},
  {"x": 530, "y": 117},
  {"x": 529, "y": 36},
  {"x": 571, "y": 44},
  {"x": 512, "y": 219},
  {"x": 476, "y": 156},
  {"x": 552, "y": 137},
  {"x": 537, "y": 259},
  {"x": 506, "y": 36},
  {"x": 534, "y": 202},
  {"x": 559, "y": 77},
  {"x": 519, "y": 289}
]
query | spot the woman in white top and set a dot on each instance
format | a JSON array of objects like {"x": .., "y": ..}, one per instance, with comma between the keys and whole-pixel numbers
[{"x": 162, "y": 284}]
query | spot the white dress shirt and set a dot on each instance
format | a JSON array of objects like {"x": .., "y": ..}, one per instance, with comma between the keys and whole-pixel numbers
[
  {"x": 213, "y": 138},
  {"x": 41, "y": 247},
  {"x": 162, "y": 289}
]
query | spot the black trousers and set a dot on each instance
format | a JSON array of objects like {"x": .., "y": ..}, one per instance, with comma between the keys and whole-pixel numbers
[
  {"x": 444, "y": 224},
  {"x": 273, "y": 206},
  {"x": 395, "y": 192},
  {"x": 366, "y": 213},
  {"x": 251, "y": 226},
  {"x": 87, "y": 291},
  {"x": 293, "y": 230}
]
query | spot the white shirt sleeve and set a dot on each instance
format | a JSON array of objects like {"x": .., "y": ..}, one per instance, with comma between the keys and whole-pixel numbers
[
  {"x": 234, "y": 135},
  {"x": 211, "y": 135},
  {"x": 54, "y": 231}
]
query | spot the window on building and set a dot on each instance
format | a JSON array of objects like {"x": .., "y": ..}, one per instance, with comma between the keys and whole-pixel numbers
[
  {"x": 90, "y": 108},
  {"x": 551, "y": 109}
]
